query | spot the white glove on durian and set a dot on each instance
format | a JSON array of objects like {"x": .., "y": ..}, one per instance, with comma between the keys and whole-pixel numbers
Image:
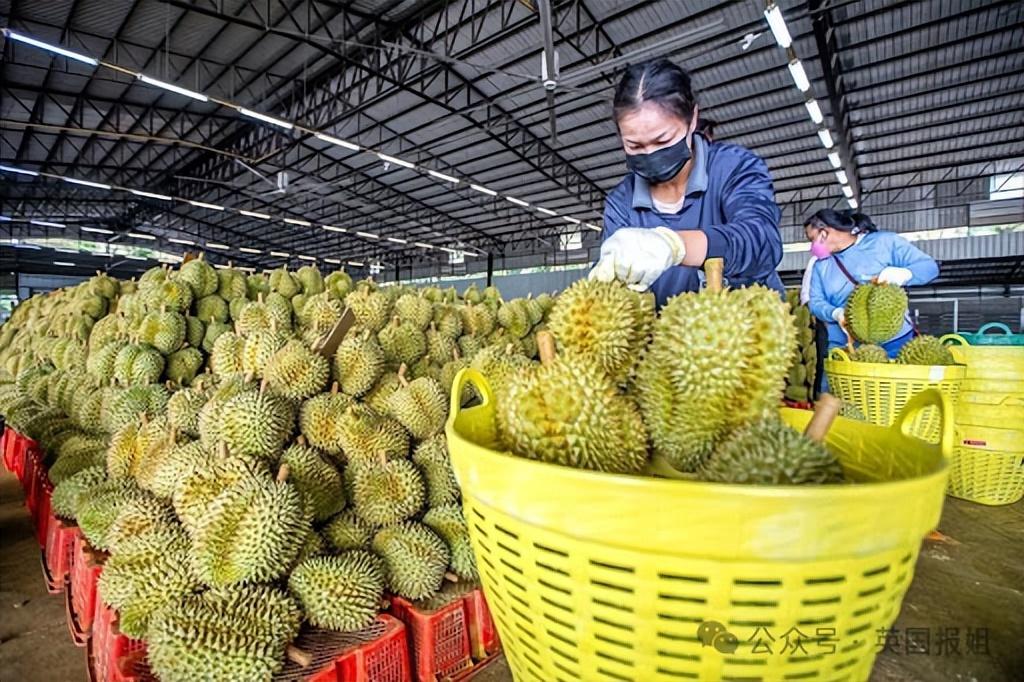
[
  {"x": 638, "y": 256},
  {"x": 897, "y": 276}
]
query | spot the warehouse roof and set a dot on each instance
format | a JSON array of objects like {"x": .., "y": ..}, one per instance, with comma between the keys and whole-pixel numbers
[{"x": 923, "y": 101}]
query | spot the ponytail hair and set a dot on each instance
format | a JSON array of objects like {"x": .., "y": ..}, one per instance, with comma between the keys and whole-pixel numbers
[{"x": 845, "y": 221}]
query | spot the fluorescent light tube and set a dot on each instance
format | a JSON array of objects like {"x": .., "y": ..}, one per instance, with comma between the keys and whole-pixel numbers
[
  {"x": 826, "y": 138},
  {"x": 833, "y": 158},
  {"x": 246, "y": 249},
  {"x": 280, "y": 254},
  {"x": 253, "y": 214},
  {"x": 398, "y": 162},
  {"x": 296, "y": 221},
  {"x": 139, "y": 235},
  {"x": 517, "y": 202},
  {"x": 841, "y": 177},
  {"x": 368, "y": 235},
  {"x": 546, "y": 211},
  {"x": 592, "y": 226},
  {"x": 186, "y": 242},
  {"x": 336, "y": 141},
  {"x": 97, "y": 230},
  {"x": 852, "y": 202},
  {"x": 20, "y": 171},
  {"x": 423, "y": 245},
  {"x": 484, "y": 190},
  {"x": 86, "y": 183},
  {"x": 200, "y": 204},
  {"x": 52, "y": 48},
  {"x": 814, "y": 110},
  {"x": 442, "y": 176},
  {"x": 131, "y": 257},
  {"x": 570, "y": 219},
  {"x": 307, "y": 258},
  {"x": 43, "y": 223},
  {"x": 396, "y": 240},
  {"x": 67, "y": 264},
  {"x": 796, "y": 69},
  {"x": 332, "y": 228},
  {"x": 847, "y": 191},
  {"x": 150, "y": 195},
  {"x": 214, "y": 245},
  {"x": 332, "y": 261},
  {"x": 355, "y": 263},
  {"x": 778, "y": 26},
  {"x": 266, "y": 119},
  {"x": 173, "y": 88}
]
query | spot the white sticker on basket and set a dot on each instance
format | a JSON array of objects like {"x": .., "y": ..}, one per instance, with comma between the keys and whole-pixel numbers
[{"x": 936, "y": 373}]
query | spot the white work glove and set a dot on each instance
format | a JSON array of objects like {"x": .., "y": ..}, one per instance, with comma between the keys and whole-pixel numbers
[
  {"x": 839, "y": 315},
  {"x": 897, "y": 276},
  {"x": 638, "y": 256}
]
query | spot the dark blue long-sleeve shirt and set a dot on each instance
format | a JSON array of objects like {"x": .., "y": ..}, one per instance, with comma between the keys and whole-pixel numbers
[{"x": 730, "y": 197}]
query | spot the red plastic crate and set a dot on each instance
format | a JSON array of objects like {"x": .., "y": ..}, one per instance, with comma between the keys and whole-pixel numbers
[
  {"x": 438, "y": 639},
  {"x": 27, "y": 470},
  {"x": 80, "y": 592},
  {"x": 41, "y": 519},
  {"x": 112, "y": 655},
  {"x": 483, "y": 634},
  {"x": 378, "y": 653},
  {"x": 60, "y": 543},
  {"x": 7, "y": 447}
]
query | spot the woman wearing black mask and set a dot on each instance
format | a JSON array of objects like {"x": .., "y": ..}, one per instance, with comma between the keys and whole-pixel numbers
[{"x": 686, "y": 199}]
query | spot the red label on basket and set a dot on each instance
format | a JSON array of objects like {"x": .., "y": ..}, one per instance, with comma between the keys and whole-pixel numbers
[{"x": 981, "y": 443}]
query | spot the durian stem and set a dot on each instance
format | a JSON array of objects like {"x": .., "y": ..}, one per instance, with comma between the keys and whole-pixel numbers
[
  {"x": 297, "y": 655},
  {"x": 714, "y": 269},
  {"x": 263, "y": 386},
  {"x": 546, "y": 347},
  {"x": 401, "y": 375},
  {"x": 222, "y": 451},
  {"x": 451, "y": 577},
  {"x": 825, "y": 412},
  {"x": 334, "y": 388},
  {"x": 849, "y": 337},
  {"x": 301, "y": 440},
  {"x": 283, "y": 472}
]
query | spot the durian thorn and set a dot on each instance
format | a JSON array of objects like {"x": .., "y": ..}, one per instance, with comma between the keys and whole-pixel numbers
[
  {"x": 546, "y": 347},
  {"x": 249, "y": 376},
  {"x": 401, "y": 375},
  {"x": 334, "y": 388},
  {"x": 222, "y": 450},
  {"x": 296, "y": 655},
  {"x": 451, "y": 577},
  {"x": 713, "y": 270},
  {"x": 825, "y": 411},
  {"x": 382, "y": 458},
  {"x": 282, "y": 473}
]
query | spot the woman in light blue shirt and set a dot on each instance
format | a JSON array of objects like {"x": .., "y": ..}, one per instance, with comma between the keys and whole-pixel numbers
[{"x": 850, "y": 251}]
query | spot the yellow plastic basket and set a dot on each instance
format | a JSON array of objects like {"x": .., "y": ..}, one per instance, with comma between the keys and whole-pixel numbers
[
  {"x": 594, "y": 576},
  {"x": 987, "y": 465},
  {"x": 987, "y": 363},
  {"x": 994, "y": 410},
  {"x": 881, "y": 390}
]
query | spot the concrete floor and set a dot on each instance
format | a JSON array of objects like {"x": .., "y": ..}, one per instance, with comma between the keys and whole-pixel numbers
[{"x": 972, "y": 576}]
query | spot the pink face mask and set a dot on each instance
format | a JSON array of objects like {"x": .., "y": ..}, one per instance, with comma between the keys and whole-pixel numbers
[{"x": 820, "y": 250}]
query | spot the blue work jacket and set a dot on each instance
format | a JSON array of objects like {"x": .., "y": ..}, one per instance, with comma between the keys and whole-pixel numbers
[{"x": 730, "y": 197}]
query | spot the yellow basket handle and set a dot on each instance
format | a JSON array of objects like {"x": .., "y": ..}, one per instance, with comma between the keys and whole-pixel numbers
[
  {"x": 479, "y": 381},
  {"x": 838, "y": 354},
  {"x": 931, "y": 397},
  {"x": 955, "y": 338}
]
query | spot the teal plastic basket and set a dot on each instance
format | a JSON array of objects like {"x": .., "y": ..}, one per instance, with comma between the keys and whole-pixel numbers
[{"x": 1000, "y": 336}]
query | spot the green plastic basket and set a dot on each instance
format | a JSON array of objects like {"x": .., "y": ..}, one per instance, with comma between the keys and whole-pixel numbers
[{"x": 1004, "y": 337}]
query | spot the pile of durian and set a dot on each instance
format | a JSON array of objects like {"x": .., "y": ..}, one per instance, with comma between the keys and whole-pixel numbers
[
  {"x": 241, "y": 481},
  {"x": 803, "y": 367}
]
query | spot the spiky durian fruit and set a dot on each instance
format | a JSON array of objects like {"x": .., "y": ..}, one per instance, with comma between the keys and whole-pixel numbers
[
  {"x": 441, "y": 348},
  {"x": 869, "y": 352},
  {"x": 196, "y": 488},
  {"x": 136, "y": 517},
  {"x": 256, "y": 423},
  {"x": 296, "y": 372},
  {"x": 147, "y": 572},
  {"x": 128, "y": 445},
  {"x": 414, "y": 309},
  {"x": 358, "y": 363},
  {"x": 416, "y": 559},
  {"x": 170, "y": 294},
  {"x": 256, "y": 285},
  {"x": 421, "y": 406},
  {"x": 447, "y": 521},
  {"x": 257, "y": 349},
  {"x": 448, "y": 321},
  {"x": 321, "y": 313},
  {"x": 431, "y": 456},
  {"x": 89, "y": 414},
  {"x": 131, "y": 403},
  {"x": 320, "y": 420},
  {"x": 99, "y": 506},
  {"x": 164, "y": 330},
  {"x": 231, "y": 284},
  {"x": 477, "y": 320},
  {"x": 514, "y": 318},
  {"x": 605, "y": 321},
  {"x": 338, "y": 284},
  {"x": 104, "y": 285},
  {"x": 567, "y": 411},
  {"x": 195, "y": 331},
  {"x": 138, "y": 363},
  {"x": 268, "y": 312},
  {"x": 251, "y": 532},
  {"x": 310, "y": 279},
  {"x": 183, "y": 411},
  {"x": 402, "y": 342},
  {"x": 212, "y": 308},
  {"x": 163, "y": 475},
  {"x": 106, "y": 331},
  {"x": 226, "y": 357},
  {"x": 371, "y": 308},
  {"x": 210, "y": 414},
  {"x": 768, "y": 452},
  {"x": 214, "y": 331},
  {"x": 365, "y": 433},
  {"x": 283, "y": 282},
  {"x": 100, "y": 362},
  {"x": 339, "y": 592},
  {"x": 717, "y": 359},
  {"x": 472, "y": 294},
  {"x": 925, "y": 350},
  {"x": 223, "y": 635},
  {"x": 235, "y": 306},
  {"x": 385, "y": 492},
  {"x": 347, "y": 531},
  {"x": 69, "y": 493},
  {"x": 183, "y": 365},
  {"x": 200, "y": 276},
  {"x": 316, "y": 479},
  {"x": 876, "y": 312},
  {"x": 499, "y": 364}
]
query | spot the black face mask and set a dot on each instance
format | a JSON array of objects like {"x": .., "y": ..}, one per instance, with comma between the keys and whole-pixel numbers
[{"x": 661, "y": 165}]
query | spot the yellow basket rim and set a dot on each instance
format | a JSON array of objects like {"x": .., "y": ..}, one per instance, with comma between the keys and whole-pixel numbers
[
  {"x": 841, "y": 364},
  {"x": 930, "y": 397}
]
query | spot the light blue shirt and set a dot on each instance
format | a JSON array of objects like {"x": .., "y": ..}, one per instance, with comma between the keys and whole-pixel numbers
[{"x": 874, "y": 252}]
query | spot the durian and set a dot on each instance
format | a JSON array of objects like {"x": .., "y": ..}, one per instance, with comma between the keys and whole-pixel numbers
[
  {"x": 876, "y": 312},
  {"x": 869, "y": 352},
  {"x": 925, "y": 350},
  {"x": 447, "y": 521},
  {"x": 296, "y": 372},
  {"x": 421, "y": 406},
  {"x": 339, "y": 592},
  {"x": 358, "y": 363},
  {"x": 385, "y": 492},
  {"x": 416, "y": 559},
  {"x": 347, "y": 531},
  {"x": 316, "y": 479}
]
